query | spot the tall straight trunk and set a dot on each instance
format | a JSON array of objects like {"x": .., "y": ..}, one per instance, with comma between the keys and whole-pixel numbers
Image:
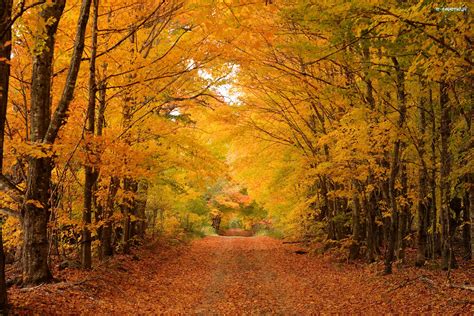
[
  {"x": 44, "y": 131},
  {"x": 366, "y": 202},
  {"x": 100, "y": 212},
  {"x": 35, "y": 214},
  {"x": 128, "y": 183},
  {"x": 422, "y": 207},
  {"x": 435, "y": 246},
  {"x": 403, "y": 218},
  {"x": 5, "y": 53},
  {"x": 386, "y": 200},
  {"x": 90, "y": 174},
  {"x": 445, "y": 187},
  {"x": 395, "y": 167}
]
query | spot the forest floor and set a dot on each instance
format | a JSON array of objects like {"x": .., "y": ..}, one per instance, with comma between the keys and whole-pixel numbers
[{"x": 242, "y": 275}]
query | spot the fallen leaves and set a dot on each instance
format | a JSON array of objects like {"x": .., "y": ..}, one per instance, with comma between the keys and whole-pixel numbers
[{"x": 241, "y": 275}]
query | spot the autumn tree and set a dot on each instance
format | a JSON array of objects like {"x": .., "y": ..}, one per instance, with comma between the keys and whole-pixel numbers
[{"x": 351, "y": 96}]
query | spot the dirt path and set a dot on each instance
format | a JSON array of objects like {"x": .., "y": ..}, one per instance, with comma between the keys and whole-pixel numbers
[{"x": 240, "y": 275}]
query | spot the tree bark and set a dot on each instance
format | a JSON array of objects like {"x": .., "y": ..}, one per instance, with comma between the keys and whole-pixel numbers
[
  {"x": 60, "y": 115},
  {"x": 3, "y": 284},
  {"x": 394, "y": 169},
  {"x": 90, "y": 174},
  {"x": 471, "y": 212},
  {"x": 44, "y": 131},
  {"x": 35, "y": 213},
  {"x": 403, "y": 219},
  {"x": 422, "y": 207},
  {"x": 445, "y": 158},
  {"x": 466, "y": 219},
  {"x": 434, "y": 242},
  {"x": 102, "y": 210},
  {"x": 5, "y": 53}
]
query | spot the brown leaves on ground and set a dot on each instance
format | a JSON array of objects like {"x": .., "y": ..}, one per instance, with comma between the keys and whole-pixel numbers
[{"x": 239, "y": 275}]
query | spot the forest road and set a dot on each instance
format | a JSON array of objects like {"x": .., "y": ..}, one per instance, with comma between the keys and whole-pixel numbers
[
  {"x": 239, "y": 276},
  {"x": 246, "y": 277},
  {"x": 263, "y": 276}
]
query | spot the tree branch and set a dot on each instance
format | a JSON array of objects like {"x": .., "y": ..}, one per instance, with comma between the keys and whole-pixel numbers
[{"x": 59, "y": 117}]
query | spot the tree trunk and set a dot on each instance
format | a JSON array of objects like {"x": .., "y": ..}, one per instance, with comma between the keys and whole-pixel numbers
[
  {"x": 59, "y": 117},
  {"x": 36, "y": 209},
  {"x": 5, "y": 53},
  {"x": 394, "y": 169},
  {"x": 326, "y": 209},
  {"x": 371, "y": 227},
  {"x": 402, "y": 229},
  {"x": 44, "y": 132},
  {"x": 466, "y": 219},
  {"x": 471, "y": 212},
  {"x": 101, "y": 210},
  {"x": 3, "y": 285},
  {"x": 445, "y": 158},
  {"x": 90, "y": 174},
  {"x": 35, "y": 223},
  {"x": 422, "y": 209},
  {"x": 434, "y": 242}
]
